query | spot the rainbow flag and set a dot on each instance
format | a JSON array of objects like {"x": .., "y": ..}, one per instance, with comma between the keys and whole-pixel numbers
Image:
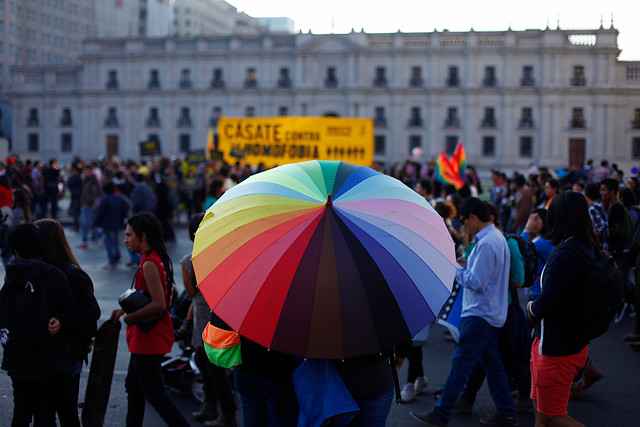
[{"x": 451, "y": 170}]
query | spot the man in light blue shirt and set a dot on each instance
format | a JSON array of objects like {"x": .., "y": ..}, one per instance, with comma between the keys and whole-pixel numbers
[{"x": 485, "y": 277}]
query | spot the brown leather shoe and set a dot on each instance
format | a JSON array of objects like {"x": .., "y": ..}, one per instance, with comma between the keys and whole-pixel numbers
[{"x": 591, "y": 375}]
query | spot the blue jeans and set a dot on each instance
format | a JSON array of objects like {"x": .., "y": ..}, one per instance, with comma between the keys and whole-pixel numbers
[
  {"x": 265, "y": 402},
  {"x": 87, "y": 216},
  {"x": 373, "y": 412},
  {"x": 111, "y": 244},
  {"x": 144, "y": 380},
  {"x": 479, "y": 342}
]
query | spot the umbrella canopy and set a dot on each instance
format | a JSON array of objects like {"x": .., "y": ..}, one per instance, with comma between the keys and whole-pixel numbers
[{"x": 324, "y": 259}]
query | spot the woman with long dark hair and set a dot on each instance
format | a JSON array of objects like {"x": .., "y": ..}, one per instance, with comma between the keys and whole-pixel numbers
[
  {"x": 78, "y": 327},
  {"x": 558, "y": 353},
  {"x": 155, "y": 276}
]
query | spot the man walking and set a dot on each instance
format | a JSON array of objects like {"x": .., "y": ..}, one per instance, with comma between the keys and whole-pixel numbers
[
  {"x": 485, "y": 277},
  {"x": 110, "y": 215}
]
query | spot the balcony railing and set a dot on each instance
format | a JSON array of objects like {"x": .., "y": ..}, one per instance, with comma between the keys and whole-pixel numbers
[
  {"x": 65, "y": 122},
  {"x": 33, "y": 122},
  {"x": 217, "y": 84},
  {"x": 489, "y": 82},
  {"x": 284, "y": 83},
  {"x": 453, "y": 82},
  {"x": 184, "y": 122},
  {"x": 527, "y": 82},
  {"x": 578, "y": 81},
  {"x": 250, "y": 84},
  {"x": 452, "y": 122},
  {"x": 185, "y": 84},
  {"x": 112, "y": 85},
  {"x": 331, "y": 83},
  {"x": 415, "y": 122},
  {"x": 213, "y": 121},
  {"x": 380, "y": 122},
  {"x": 380, "y": 83},
  {"x": 488, "y": 123},
  {"x": 153, "y": 85},
  {"x": 416, "y": 82},
  {"x": 152, "y": 123},
  {"x": 635, "y": 124},
  {"x": 525, "y": 123},
  {"x": 577, "y": 123},
  {"x": 111, "y": 122}
]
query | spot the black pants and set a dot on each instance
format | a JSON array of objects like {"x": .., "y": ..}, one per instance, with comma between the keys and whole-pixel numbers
[
  {"x": 32, "y": 400},
  {"x": 67, "y": 401},
  {"x": 215, "y": 383},
  {"x": 144, "y": 380},
  {"x": 415, "y": 364}
]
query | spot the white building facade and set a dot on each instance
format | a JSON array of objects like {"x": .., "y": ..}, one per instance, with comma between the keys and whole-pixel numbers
[{"x": 555, "y": 97}]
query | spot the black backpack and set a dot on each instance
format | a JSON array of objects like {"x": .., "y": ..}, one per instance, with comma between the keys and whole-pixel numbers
[
  {"x": 600, "y": 297},
  {"x": 24, "y": 315},
  {"x": 529, "y": 257}
]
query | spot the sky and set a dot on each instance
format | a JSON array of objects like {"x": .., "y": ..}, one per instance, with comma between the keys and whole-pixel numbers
[{"x": 341, "y": 16}]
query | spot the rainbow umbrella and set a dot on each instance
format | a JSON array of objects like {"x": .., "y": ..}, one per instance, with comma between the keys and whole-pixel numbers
[{"x": 324, "y": 259}]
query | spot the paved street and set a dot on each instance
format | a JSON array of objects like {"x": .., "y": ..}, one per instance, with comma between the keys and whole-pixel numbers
[{"x": 612, "y": 401}]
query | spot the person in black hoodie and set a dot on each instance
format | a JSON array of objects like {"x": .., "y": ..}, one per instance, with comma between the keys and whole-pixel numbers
[
  {"x": 80, "y": 326},
  {"x": 35, "y": 355},
  {"x": 558, "y": 353}
]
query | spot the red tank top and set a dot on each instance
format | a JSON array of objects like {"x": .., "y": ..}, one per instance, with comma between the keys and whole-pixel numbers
[{"x": 158, "y": 340}]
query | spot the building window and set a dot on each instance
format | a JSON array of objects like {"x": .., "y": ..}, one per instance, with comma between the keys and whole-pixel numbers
[
  {"x": 489, "y": 119},
  {"x": 488, "y": 146},
  {"x": 112, "y": 80},
  {"x": 635, "y": 123},
  {"x": 33, "y": 119},
  {"x": 452, "y": 120},
  {"x": 250, "y": 111},
  {"x": 154, "y": 119},
  {"x": 526, "y": 119},
  {"x": 416, "y": 77},
  {"x": 283, "y": 111},
  {"x": 635, "y": 147},
  {"x": 450, "y": 142},
  {"x": 577, "y": 118},
  {"x": 185, "y": 79},
  {"x": 184, "y": 142},
  {"x": 154, "y": 80},
  {"x": 415, "y": 120},
  {"x": 283, "y": 80},
  {"x": 414, "y": 141},
  {"x": 250, "y": 81},
  {"x": 184, "y": 120},
  {"x": 578, "y": 78},
  {"x": 526, "y": 146},
  {"x": 218, "y": 81},
  {"x": 112, "y": 118},
  {"x": 331, "y": 80},
  {"x": 380, "y": 79},
  {"x": 215, "y": 115},
  {"x": 527, "y": 76},
  {"x": 66, "y": 120},
  {"x": 452, "y": 77},
  {"x": 379, "y": 120},
  {"x": 489, "y": 77},
  {"x": 66, "y": 143},
  {"x": 380, "y": 144},
  {"x": 33, "y": 143}
]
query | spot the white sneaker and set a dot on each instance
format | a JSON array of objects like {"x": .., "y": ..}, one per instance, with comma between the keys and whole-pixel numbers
[
  {"x": 420, "y": 384},
  {"x": 408, "y": 393}
]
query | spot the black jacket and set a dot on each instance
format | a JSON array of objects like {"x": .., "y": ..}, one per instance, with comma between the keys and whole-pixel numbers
[
  {"x": 80, "y": 326},
  {"x": 51, "y": 355},
  {"x": 555, "y": 308}
]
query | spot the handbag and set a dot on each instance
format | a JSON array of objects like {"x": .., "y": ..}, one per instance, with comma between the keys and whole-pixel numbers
[
  {"x": 222, "y": 346},
  {"x": 134, "y": 299}
]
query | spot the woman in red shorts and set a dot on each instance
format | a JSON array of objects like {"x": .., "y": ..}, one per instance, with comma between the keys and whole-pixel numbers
[{"x": 558, "y": 353}]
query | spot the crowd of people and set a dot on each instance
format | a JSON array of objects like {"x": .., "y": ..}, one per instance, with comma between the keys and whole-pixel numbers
[{"x": 591, "y": 209}]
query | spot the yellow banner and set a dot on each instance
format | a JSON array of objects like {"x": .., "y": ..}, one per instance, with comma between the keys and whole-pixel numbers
[{"x": 279, "y": 140}]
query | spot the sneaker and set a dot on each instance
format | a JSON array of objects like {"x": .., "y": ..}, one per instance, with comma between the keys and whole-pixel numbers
[
  {"x": 428, "y": 418},
  {"x": 408, "y": 393},
  {"x": 420, "y": 384},
  {"x": 498, "y": 419},
  {"x": 463, "y": 406},
  {"x": 632, "y": 336},
  {"x": 635, "y": 345},
  {"x": 82, "y": 245},
  {"x": 523, "y": 404},
  {"x": 110, "y": 267},
  {"x": 205, "y": 414}
]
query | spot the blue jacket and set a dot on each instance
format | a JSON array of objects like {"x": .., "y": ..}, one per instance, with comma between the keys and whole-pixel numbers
[{"x": 111, "y": 212}]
